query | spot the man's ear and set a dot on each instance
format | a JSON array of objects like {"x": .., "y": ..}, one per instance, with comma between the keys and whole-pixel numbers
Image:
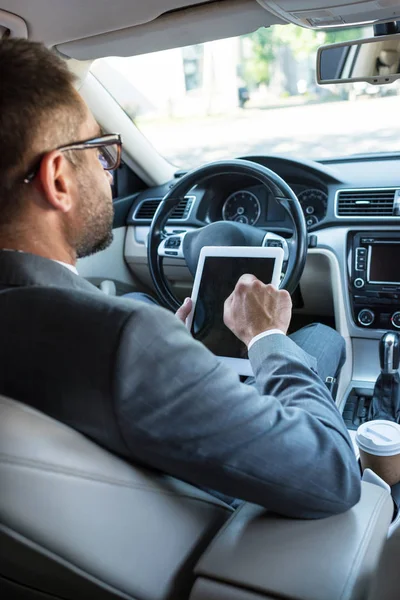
[{"x": 57, "y": 181}]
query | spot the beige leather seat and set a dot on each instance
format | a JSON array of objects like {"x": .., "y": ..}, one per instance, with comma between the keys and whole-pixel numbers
[{"x": 79, "y": 523}]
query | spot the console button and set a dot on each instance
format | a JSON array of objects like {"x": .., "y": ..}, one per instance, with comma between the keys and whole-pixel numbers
[
  {"x": 359, "y": 283},
  {"x": 361, "y": 252},
  {"x": 395, "y": 320},
  {"x": 367, "y": 240},
  {"x": 366, "y": 317},
  {"x": 372, "y": 301},
  {"x": 385, "y": 320},
  {"x": 173, "y": 242}
]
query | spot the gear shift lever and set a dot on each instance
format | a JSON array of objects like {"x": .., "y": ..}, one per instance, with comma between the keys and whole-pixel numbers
[
  {"x": 385, "y": 402},
  {"x": 389, "y": 353}
]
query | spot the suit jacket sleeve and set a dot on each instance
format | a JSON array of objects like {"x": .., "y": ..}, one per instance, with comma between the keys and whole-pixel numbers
[{"x": 180, "y": 410}]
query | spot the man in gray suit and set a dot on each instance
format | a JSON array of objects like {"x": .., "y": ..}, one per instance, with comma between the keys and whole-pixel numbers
[{"x": 128, "y": 374}]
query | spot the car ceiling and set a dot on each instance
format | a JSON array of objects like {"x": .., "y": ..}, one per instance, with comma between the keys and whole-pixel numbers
[
  {"x": 92, "y": 28},
  {"x": 56, "y": 21},
  {"x": 87, "y": 29}
]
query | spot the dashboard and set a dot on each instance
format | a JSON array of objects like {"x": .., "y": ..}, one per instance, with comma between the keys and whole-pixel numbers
[
  {"x": 317, "y": 185},
  {"x": 343, "y": 200}
]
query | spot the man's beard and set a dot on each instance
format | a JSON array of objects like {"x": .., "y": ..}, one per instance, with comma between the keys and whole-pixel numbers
[
  {"x": 94, "y": 220},
  {"x": 89, "y": 246}
]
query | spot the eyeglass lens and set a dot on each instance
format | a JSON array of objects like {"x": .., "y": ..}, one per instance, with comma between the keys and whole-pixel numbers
[{"x": 108, "y": 156}]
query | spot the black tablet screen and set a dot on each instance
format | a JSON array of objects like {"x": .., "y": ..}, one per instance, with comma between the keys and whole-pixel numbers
[{"x": 219, "y": 277}]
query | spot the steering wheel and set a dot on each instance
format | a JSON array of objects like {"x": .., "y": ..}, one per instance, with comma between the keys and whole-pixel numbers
[{"x": 188, "y": 245}]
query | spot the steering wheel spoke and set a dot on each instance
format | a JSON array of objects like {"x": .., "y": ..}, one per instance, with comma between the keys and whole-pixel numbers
[
  {"x": 172, "y": 246},
  {"x": 272, "y": 240}
]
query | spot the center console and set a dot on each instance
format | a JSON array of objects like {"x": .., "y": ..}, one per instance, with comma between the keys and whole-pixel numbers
[
  {"x": 375, "y": 279},
  {"x": 261, "y": 556}
]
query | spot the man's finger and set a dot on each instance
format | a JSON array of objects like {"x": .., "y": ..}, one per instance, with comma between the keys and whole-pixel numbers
[
  {"x": 246, "y": 279},
  {"x": 228, "y": 301},
  {"x": 183, "y": 312}
]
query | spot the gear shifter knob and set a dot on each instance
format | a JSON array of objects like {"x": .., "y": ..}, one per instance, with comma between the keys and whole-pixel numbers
[{"x": 389, "y": 352}]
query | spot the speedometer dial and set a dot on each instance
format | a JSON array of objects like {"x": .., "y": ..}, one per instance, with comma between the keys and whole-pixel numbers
[
  {"x": 242, "y": 207},
  {"x": 313, "y": 203}
]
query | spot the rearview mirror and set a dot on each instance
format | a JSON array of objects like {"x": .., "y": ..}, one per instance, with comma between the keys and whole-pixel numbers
[{"x": 374, "y": 60}]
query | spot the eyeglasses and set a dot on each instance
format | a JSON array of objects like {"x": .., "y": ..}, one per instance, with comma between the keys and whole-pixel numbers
[{"x": 109, "y": 152}]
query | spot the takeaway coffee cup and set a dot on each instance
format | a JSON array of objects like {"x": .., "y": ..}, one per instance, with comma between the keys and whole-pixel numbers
[{"x": 379, "y": 444}]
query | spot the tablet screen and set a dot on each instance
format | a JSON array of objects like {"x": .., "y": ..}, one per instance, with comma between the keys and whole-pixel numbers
[{"x": 219, "y": 277}]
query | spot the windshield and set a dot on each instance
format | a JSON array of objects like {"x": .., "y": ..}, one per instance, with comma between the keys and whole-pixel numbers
[{"x": 250, "y": 95}]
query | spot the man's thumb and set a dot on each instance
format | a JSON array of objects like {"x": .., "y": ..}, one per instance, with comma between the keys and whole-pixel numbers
[{"x": 183, "y": 312}]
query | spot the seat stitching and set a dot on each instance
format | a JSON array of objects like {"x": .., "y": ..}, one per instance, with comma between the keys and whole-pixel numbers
[
  {"x": 63, "y": 560},
  {"x": 40, "y": 466}
]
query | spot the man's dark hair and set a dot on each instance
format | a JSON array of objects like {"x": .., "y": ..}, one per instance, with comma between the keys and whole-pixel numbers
[{"x": 39, "y": 110}]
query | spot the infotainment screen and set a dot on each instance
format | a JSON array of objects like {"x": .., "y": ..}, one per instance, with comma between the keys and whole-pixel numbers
[{"x": 384, "y": 263}]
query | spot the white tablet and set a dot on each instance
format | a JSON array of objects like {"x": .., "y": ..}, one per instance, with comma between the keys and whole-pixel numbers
[{"x": 218, "y": 271}]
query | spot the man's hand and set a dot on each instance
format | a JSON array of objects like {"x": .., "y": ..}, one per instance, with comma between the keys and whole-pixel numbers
[
  {"x": 254, "y": 307},
  {"x": 183, "y": 312}
]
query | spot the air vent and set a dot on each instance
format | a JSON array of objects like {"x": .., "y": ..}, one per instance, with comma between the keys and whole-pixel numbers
[
  {"x": 147, "y": 209},
  {"x": 182, "y": 210},
  {"x": 363, "y": 203}
]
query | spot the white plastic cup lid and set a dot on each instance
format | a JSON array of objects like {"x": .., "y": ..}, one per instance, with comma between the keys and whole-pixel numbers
[{"x": 380, "y": 437}]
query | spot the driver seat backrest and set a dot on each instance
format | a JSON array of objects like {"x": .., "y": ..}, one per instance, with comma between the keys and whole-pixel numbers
[{"x": 78, "y": 522}]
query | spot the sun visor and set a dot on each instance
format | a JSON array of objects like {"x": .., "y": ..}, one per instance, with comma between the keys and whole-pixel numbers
[
  {"x": 333, "y": 13},
  {"x": 194, "y": 25}
]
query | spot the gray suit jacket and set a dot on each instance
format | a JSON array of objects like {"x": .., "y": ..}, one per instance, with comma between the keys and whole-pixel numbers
[{"x": 130, "y": 376}]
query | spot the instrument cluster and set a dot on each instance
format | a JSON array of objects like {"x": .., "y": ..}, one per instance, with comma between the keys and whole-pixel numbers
[{"x": 248, "y": 206}]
